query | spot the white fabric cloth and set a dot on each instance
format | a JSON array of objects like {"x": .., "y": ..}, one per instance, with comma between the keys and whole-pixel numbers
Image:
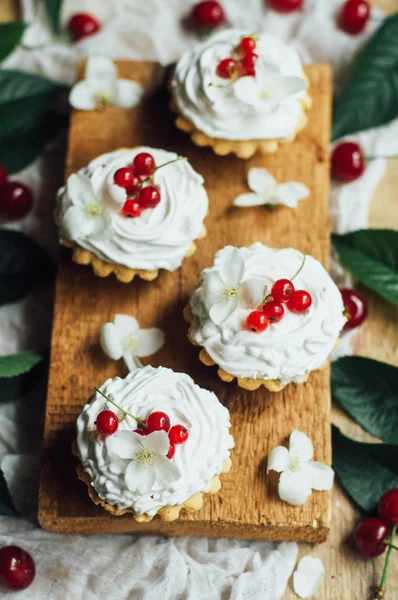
[{"x": 123, "y": 567}]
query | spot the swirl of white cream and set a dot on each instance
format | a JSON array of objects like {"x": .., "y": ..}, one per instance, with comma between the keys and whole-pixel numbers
[
  {"x": 141, "y": 393},
  {"x": 288, "y": 350},
  {"x": 161, "y": 237},
  {"x": 210, "y": 103}
]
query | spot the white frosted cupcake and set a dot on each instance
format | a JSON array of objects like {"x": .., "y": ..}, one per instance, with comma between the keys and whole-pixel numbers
[
  {"x": 240, "y": 93},
  {"x": 153, "y": 443},
  {"x": 132, "y": 212},
  {"x": 264, "y": 316}
]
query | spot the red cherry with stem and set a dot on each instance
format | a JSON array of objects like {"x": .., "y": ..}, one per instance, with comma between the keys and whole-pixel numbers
[
  {"x": 257, "y": 321},
  {"x": 126, "y": 178},
  {"x": 158, "y": 421},
  {"x": 141, "y": 431},
  {"x": 178, "y": 434},
  {"x": 132, "y": 208},
  {"x": 370, "y": 535},
  {"x": 15, "y": 200},
  {"x": 149, "y": 196},
  {"x": 247, "y": 45},
  {"x": 226, "y": 68},
  {"x": 348, "y": 162},
  {"x": 3, "y": 174},
  {"x": 144, "y": 164},
  {"x": 209, "y": 14},
  {"x": 355, "y": 308},
  {"x": 274, "y": 311},
  {"x": 388, "y": 506},
  {"x": 248, "y": 64},
  {"x": 107, "y": 422},
  {"x": 285, "y": 6},
  {"x": 171, "y": 451},
  {"x": 300, "y": 301},
  {"x": 82, "y": 25},
  {"x": 354, "y": 15},
  {"x": 282, "y": 290},
  {"x": 17, "y": 567}
]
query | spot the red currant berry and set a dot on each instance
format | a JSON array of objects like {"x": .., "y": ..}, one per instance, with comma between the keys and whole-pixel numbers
[
  {"x": 149, "y": 196},
  {"x": 282, "y": 290},
  {"x": 171, "y": 451},
  {"x": 107, "y": 422},
  {"x": 207, "y": 14},
  {"x": 247, "y": 45},
  {"x": 132, "y": 208},
  {"x": 3, "y": 174},
  {"x": 15, "y": 200},
  {"x": 144, "y": 164},
  {"x": 17, "y": 567},
  {"x": 178, "y": 434},
  {"x": 82, "y": 25},
  {"x": 141, "y": 431},
  {"x": 299, "y": 302},
  {"x": 355, "y": 308},
  {"x": 369, "y": 537},
  {"x": 348, "y": 162},
  {"x": 286, "y": 6},
  {"x": 354, "y": 15},
  {"x": 257, "y": 321},
  {"x": 158, "y": 421},
  {"x": 126, "y": 178},
  {"x": 388, "y": 506},
  {"x": 226, "y": 68},
  {"x": 248, "y": 64},
  {"x": 274, "y": 311}
]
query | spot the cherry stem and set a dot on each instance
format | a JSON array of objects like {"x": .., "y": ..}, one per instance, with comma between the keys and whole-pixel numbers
[
  {"x": 369, "y": 158},
  {"x": 391, "y": 545},
  {"x": 139, "y": 421},
  {"x": 383, "y": 584},
  {"x": 161, "y": 166},
  {"x": 301, "y": 266}
]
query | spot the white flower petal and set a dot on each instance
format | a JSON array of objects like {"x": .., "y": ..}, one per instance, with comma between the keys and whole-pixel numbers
[
  {"x": 252, "y": 293},
  {"x": 74, "y": 224},
  {"x": 128, "y": 93},
  {"x": 101, "y": 69},
  {"x": 126, "y": 444},
  {"x": 279, "y": 459},
  {"x": 261, "y": 182},
  {"x": 110, "y": 341},
  {"x": 83, "y": 96},
  {"x": 232, "y": 266},
  {"x": 132, "y": 362},
  {"x": 294, "y": 487},
  {"x": 300, "y": 445},
  {"x": 80, "y": 189},
  {"x": 220, "y": 311},
  {"x": 249, "y": 200},
  {"x": 166, "y": 470},
  {"x": 149, "y": 341},
  {"x": 212, "y": 288},
  {"x": 139, "y": 478},
  {"x": 246, "y": 90},
  {"x": 308, "y": 576},
  {"x": 126, "y": 325},
  {"x": 157, "y": 442},
  {"x": 102, "y": 226},
  {"x": 291, "y": 193},
  {"x": 281, "y": 88},
  {"x": 321, "y": 476}
]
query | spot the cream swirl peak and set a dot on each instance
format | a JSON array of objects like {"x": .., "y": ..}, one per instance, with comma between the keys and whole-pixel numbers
[
  {"x": 286, "y": 351},
  {"x": 266, "y": 106},
  {"x": 142, "y": 393},
  {"x": 158, "y": 239}
]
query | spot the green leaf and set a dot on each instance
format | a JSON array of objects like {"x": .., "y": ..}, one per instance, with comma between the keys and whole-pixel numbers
[
  {"x": 365, "y": 471},
  {"x": 371, "y": 255},
  {"x": 23, "y": 265},
  {"x": 6, "y": 503},
  {"x": 17, "y": 364},
  {"x": 14, "y": 388},
  {"x": 370, "y": 95},
  {"x": 10, "y": 36},
  {"x": 53, "y": 10},
  {"x": 368, "y": 390}
]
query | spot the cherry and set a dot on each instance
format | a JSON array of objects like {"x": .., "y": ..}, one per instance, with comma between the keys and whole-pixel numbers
[
  {"x": 257, "y": 321},
  {"x": 144, "y": 164},
  {"x": 209, "y": 14},
  {"x": 247, "y": 45},
  {"x": 158, "y": 421},
  {"x": 82, "y": 25},
  {"x": 282, "y": 290},
  {"x": 348, "y": 162},
  {"x": 141, "y": 431},
  {"x": 354, "y": 15},
  {"x": 107, "y": 422},
  {"x": 369, "y": 536},
  {"x": 17, "y": 567},
  {"x": 355, "y": 307},
  {"x": 388, "y": 506},
  {"x": 149, "y": 196},
  {"x": 299, "y": 302},
  {"x": 132, "y": 208},
  {"x": 248, "y": 63},
  {"x": 171, "y": 451},
  {"x": 15, "y": 200},
  {"x": 178, "y": 434},
  {"x": 126, "y": 178},
  {"x": 274, "y": 311},
  {"x": 286, "y": 6},
  {"x": 3, "y": 174},
  {"x": 226, "y": 68}
]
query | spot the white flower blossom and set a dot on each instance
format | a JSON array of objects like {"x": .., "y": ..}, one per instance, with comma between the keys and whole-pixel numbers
[
  {"x": 101, "y": 86},
  {"x": 266, "y": 190},
  {"x": 124, "y": 339},
  {"x": 308, "y": 576},
  {"x": 147, "y": 456},
  {"x": 299, "y": 474}
]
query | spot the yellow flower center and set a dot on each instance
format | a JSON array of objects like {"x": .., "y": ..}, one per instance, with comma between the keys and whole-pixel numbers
[
  {"x": 102, "y": 98},
  {"x": 144, "y": 458},
  {"x": 93, "y": 210},
  {"x": 132, "y": 343},
  {"x": 295, "y": 463},
  {"x": 229, "y": 293}
]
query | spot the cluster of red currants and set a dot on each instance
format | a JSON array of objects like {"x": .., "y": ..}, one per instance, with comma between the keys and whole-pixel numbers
[
  {"x": 15, "y": 198},
  {"x": 282, "y": 294},
  {"x": 243, "y": 63},
  {"x": 17, "y": 567},
  {"x": 107, "y": 423},
  {"x": 136, "y": 179}
]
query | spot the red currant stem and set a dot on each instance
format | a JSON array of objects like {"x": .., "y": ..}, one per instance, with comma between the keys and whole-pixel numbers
[
  {"x": 370, "y": 158},
  {"x": 139, "y": 421},
  {"x": 301, "y": 266},
  {"x": 383, "y": 584},
  {"x": 161, "y": 166},
  {"x": 391, "y": 545}
]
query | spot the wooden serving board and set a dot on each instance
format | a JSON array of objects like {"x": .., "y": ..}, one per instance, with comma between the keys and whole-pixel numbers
[{"x": 248, "y": 505}]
